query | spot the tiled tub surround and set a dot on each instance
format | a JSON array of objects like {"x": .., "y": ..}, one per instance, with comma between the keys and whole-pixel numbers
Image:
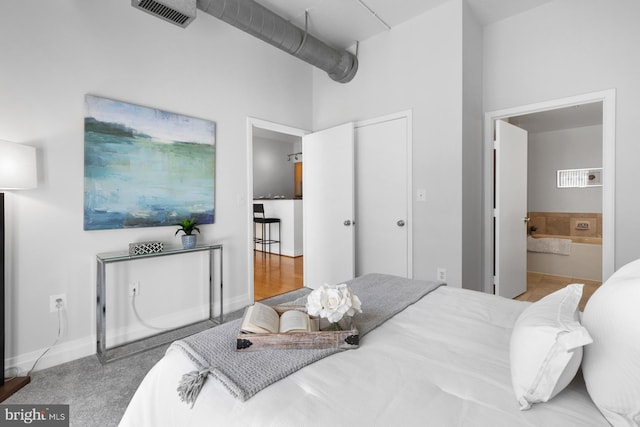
[
  {"x": 585, "y": 261},
  {"x": 563, "y": 225}
]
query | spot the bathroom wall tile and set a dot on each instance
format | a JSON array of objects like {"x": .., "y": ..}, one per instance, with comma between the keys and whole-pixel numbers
[
  {"x": 563, "y": 223},
  {"x": 538, "y": 221},
  {"x": 591, "y": 232},
  {"x": 558, "y": 224}
]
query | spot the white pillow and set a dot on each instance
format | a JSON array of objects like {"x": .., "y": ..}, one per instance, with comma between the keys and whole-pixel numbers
[
  {"x": 546, "y": 346},
  {"x": 611, "y": 365}
]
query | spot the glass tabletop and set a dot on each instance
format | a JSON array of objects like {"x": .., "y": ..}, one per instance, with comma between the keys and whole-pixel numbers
[{"x": 125, "y": 255}]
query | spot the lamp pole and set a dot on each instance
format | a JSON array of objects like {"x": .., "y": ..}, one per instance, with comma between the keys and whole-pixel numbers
[
  {"x": 2, "y": 283},
  {"x": 7, "y": 388},
  {"x": 18, "y": 170}
]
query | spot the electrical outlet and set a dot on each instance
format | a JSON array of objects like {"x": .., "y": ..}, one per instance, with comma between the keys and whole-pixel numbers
[
  {"x": 441, "y": 274},
  {"x": 134, "y": 288},
  {"x": 53, "y": 302}
]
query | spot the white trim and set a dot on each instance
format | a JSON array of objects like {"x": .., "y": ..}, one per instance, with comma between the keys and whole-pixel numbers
[
  {"x": 609, "y": 178},
  {"x": 63, "y": 352},
  {"x": 608, "y": 99},
  {"x": 407, "y": 114},
  {"x": 266, "y": 125}
]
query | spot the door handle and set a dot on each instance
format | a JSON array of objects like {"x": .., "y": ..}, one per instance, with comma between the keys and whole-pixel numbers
[
  {"x": 347, "y": 223},
  {"x": 400, "y": 223},
  {"x": 527, "y": 219}
]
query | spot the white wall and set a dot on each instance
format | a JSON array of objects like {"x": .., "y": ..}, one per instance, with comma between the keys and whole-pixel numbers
[
  {"x": 418, "y": 66},
  {"x": 549, "y": 152},
  {"x": 56, "y": 52},
  {"x": 272, "y": 172},
  {"x": 571, "y": 47}
]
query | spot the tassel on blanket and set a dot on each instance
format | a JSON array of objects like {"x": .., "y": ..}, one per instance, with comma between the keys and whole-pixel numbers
[{"x": 190, "y": 385}]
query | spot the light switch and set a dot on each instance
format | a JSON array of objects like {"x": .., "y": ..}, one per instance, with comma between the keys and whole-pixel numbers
[{"x": 421, "y": 195}]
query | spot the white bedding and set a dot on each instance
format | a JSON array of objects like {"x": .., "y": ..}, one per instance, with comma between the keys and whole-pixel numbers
[{"x": 443, "y": 361}]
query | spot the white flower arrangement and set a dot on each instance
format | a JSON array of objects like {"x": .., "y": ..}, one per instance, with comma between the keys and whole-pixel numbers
[{"x": 332, "y": 302}]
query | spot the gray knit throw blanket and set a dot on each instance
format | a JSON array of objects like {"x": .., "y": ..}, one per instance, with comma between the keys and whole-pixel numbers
[{"x": 246, "y": 373}]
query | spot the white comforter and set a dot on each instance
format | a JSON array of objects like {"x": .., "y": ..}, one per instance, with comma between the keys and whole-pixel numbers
[{"x": 443, "y": 361}]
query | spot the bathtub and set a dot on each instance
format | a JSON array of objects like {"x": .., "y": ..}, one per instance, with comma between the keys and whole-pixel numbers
[{"x": 585, "y": 261}]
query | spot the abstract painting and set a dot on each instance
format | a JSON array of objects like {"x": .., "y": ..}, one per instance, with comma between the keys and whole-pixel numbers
[{"x": 145, "y": 167}]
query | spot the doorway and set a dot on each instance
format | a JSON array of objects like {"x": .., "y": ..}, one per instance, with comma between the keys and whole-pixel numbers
[
  {"x": 273, "y": 157},
  {"x": 525, "y": 116},
  {"x": 568, "y": 140}
]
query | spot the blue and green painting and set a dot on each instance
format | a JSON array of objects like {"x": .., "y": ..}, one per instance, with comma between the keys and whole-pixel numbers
[{"x": 145, "y": 167}]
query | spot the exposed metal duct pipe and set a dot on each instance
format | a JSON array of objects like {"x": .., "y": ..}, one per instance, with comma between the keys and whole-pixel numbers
[{"x": 262, "y": 23}]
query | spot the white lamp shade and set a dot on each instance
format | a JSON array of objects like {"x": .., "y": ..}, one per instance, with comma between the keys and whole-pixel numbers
[{"x": 18, "y": 170}]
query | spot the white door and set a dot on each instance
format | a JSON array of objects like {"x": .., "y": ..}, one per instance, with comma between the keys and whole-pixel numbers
[
  {"x": 382, "y": 216},
  {"x": 328, "y": 206},
  {"x": 511, "y": 210}
]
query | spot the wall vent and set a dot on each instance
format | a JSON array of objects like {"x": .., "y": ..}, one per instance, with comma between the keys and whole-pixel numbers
[
  {"x": 579, "y": 178},
  {"x": 178, "y": 12}
]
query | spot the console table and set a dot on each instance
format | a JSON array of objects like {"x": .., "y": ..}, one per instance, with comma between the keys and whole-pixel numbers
[{"x": 112, "y": 257}]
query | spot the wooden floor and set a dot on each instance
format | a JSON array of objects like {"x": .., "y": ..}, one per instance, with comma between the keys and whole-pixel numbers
[
  {"x": 540, "y": 285},
  {"x": 275, "y": 274}
]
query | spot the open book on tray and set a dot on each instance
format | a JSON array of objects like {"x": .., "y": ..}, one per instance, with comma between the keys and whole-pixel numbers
[
  {"x": 262, "y": 319},
  {"x": 290, "y": 327}
]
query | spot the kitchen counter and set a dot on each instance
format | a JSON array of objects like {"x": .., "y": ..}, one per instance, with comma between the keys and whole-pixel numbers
[{"x": 290, "y": 213}]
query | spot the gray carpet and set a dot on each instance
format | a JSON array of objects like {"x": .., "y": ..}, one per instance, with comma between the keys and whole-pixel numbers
[{"x": 98, "y": 395}]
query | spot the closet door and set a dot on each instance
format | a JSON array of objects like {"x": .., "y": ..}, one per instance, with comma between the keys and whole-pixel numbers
[
  {"x": 328, "y": 206},
  {"x": 383, "y": 176}
]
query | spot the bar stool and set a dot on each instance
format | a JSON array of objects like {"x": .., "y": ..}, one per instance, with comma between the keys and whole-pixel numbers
[{"x": 259, "y": 218}]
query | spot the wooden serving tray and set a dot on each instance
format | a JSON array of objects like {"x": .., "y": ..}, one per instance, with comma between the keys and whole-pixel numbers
[{"x": 348, "y": 338}]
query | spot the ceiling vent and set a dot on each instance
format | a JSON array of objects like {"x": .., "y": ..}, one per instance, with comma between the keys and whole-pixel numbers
[{"x": 178, "y": 12}]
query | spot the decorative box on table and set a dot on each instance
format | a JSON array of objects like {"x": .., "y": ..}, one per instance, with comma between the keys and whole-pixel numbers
[
  {"x": 143, "y": 248},
  {"x": 347, "y": 338}
]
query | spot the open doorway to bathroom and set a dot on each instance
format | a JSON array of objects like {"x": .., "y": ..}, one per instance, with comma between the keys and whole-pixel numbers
[
  {"x": 564, "y": 219},
  {"x": 562, "y": 124}
]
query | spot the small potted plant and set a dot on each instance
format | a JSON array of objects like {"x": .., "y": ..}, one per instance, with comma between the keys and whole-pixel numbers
[{"x": 188, "y": 226}]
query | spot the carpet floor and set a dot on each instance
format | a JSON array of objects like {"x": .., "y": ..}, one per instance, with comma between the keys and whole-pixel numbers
[{"x": 98, "y": 394}]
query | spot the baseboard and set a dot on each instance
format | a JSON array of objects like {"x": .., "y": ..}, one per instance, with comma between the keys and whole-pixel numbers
[
  {"x": 168, "y": 322},
  {"x": 68, "y": 351},
  {"x": 63, "y": 352},
  {"x": 237, "y": 303}
]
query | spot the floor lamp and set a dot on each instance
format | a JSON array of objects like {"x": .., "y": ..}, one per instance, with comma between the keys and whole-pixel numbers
[{"x": 17, "y": 172}]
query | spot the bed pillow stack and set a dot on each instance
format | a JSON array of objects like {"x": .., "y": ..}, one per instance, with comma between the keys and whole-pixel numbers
[
  {"x": 546, "y": 346},
  {"x": 611, "y": 365}
]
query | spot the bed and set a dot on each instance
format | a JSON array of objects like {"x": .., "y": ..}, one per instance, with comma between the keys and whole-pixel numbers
[{"x": 442, "y": 361}]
